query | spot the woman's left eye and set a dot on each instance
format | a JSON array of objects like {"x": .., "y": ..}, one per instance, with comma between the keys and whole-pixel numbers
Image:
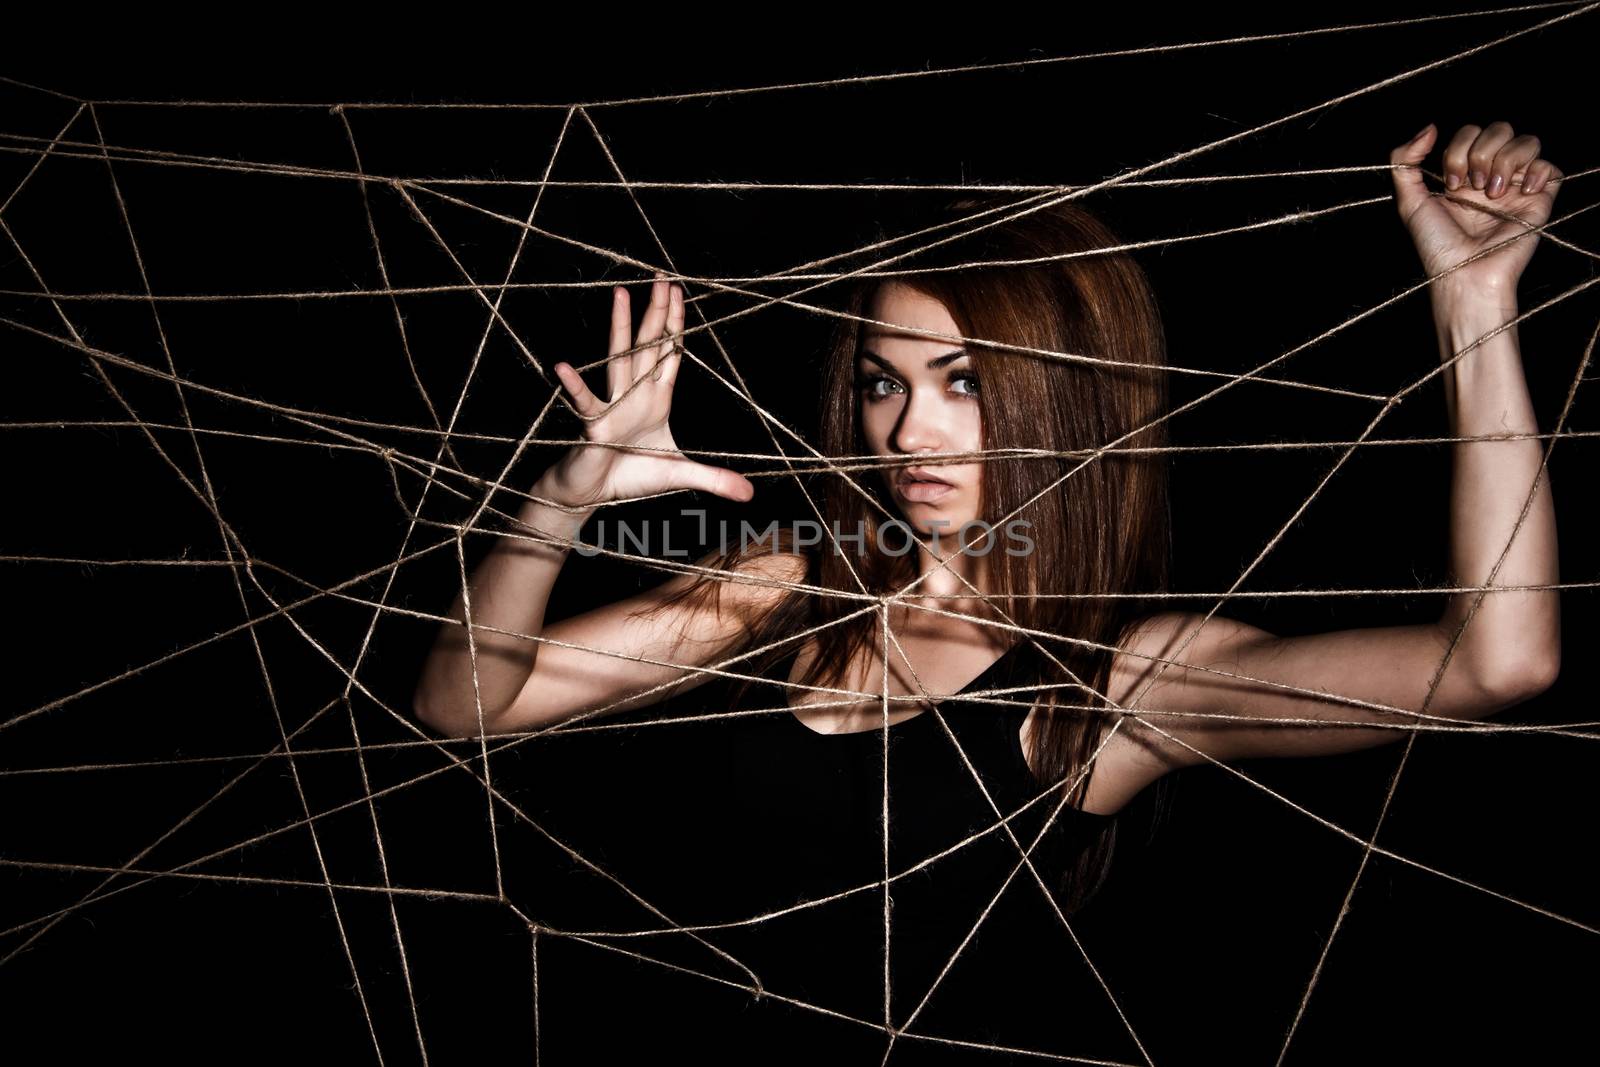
[{"x": 968, "y": 377}]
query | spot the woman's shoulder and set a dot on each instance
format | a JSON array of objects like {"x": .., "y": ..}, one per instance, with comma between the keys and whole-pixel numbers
[{"x": 782, "y": 565}]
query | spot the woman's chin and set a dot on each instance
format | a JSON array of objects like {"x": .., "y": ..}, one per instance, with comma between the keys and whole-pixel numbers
[{"x": 930, "y": 520}]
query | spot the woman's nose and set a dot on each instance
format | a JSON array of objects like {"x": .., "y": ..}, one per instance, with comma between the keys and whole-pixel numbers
[{"x": 918, "y": 429}]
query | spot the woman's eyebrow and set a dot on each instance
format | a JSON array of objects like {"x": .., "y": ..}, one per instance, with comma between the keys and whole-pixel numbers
[{"x": 933, "y": 364}]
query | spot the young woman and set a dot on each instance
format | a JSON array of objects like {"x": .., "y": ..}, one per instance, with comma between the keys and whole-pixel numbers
[{"x": 984, "y": 396}]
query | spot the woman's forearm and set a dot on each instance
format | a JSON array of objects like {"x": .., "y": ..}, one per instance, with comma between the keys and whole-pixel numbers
[
  {"x": 508, "y": 591},
  {"x": 1513, "y": 640}
]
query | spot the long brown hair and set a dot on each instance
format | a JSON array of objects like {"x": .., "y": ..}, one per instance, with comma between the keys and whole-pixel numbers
[{"x": 1101, "y": 524}]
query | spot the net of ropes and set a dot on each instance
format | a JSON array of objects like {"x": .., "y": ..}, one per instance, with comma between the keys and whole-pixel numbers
[{"x": 286, "y": 371}]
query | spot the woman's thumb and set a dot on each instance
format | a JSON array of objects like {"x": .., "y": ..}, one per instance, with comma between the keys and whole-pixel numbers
[
  {"x": 1409, "y": 188},
  {"x": 719, "y": 480}
]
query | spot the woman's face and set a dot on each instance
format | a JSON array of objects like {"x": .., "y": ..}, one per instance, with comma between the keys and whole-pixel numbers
[{"x": 919, "y": 395}]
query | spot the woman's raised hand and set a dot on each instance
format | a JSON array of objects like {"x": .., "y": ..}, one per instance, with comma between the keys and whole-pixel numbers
[
  {"x": 1488, "y": 171},
  {"x": 635, "y": 415}
]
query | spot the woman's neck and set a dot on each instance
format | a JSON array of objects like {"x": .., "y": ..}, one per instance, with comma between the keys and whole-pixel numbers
[{"x": 952, "y": 585}]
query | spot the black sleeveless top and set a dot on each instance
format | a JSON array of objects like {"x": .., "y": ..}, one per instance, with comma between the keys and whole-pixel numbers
[{"x": 805, "y": 819}]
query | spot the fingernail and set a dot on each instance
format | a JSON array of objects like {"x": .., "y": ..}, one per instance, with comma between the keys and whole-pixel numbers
[
  {"x": 1422, "y": 133},
  {"x": 1496, "y": 184},
  {"x": 1452, "y": 181},
  {"x": 1478, "y": 179}
]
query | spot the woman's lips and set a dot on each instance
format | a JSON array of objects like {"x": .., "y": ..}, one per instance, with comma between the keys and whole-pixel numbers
[{"x": 925, "y": 492}]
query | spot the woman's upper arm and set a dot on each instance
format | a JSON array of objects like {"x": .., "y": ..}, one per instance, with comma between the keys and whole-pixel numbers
[
  {"x": 624, "y": 654},
  {"x": 1234, "y": 690}
]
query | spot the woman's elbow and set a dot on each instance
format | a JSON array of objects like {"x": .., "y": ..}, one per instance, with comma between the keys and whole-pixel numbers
[
  {"x": 426, "y": 710},
  {"x": 1541, "y": 674},
  {"x": 447, "y": 718},
  {"x": 1520, "y": 680}
]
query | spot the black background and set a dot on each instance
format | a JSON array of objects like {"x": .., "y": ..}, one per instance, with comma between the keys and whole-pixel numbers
[{"x": 1210, "y": 930}]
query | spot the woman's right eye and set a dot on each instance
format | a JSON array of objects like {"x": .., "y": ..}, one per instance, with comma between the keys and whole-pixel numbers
[{"x": 869, "y": 383}]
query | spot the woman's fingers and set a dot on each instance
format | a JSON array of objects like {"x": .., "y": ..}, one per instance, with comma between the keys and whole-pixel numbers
[
  {"x": 669, "y": 356},
  {"x": 582, "y": 399},
  {"x": 655, "y": 320},
  {"x": 1541, "y": 173},
  {"x": 651, "y": 351},
  {"x": 1455, "y": 157},
  {"x": 1514, "y": 156},
  {"x": 1494, "y": 159},
  {"x": 1535, "y": 176},
  {"x": 1480, "y": 157},
  {"x": 619, "y": 366}
]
